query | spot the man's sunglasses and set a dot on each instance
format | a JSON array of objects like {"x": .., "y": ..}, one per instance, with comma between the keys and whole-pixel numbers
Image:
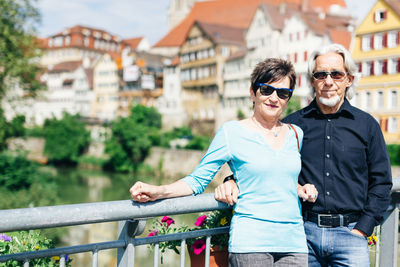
[
  {"x": 335, "y": 75},
  {"x": 266, "y": 89}
]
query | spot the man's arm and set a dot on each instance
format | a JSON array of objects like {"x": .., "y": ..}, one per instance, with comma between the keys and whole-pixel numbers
[{"x": 379, "y": 183}]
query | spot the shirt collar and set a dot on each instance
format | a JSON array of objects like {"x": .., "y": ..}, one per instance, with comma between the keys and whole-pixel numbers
[{"x": 345, "y": 109}]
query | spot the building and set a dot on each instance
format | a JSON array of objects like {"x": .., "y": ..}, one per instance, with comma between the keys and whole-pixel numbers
[
  {"x": 202, "y": 58},
  {"x": 170, "y": 103},
  {"x": 306, "y": 30},
  {"x": 234, "y": 13},
  {"x": 376, "y": 49}
]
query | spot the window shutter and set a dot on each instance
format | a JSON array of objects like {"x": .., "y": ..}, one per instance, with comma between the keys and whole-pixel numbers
[
  {"x": 360, "y": 67},
  {"x": 372, "y": 68},
  {"x": 384, "y": 66},
  {"x": 386, "y": 125},
  {"x": 372, "y": 42},
  {"x": 397, "y": 38},
  {"x": 398, "y": 65},
  {"x": 295, "y": 57},
  {"x": 385, "y": 14},
  {"x": 384, "y": 40},
  {"x": 300, "y": 80},
  {"x": 305, "y": 56}
]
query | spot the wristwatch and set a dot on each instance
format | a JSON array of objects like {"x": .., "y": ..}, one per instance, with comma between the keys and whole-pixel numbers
[{"x": 230, "y": 177}]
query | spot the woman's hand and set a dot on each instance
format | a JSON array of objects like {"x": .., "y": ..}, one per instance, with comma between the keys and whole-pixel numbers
[
  {"x": 142, "y": 192},
  {"x": 307, "y": 192},
  {"x": 227, "y": 192}
]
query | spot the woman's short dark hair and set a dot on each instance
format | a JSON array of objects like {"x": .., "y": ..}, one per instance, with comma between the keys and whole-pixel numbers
[{"x": 272, "y": 70}]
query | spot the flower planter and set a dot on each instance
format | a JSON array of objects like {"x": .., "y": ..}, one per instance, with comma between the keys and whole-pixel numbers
[{"x": 218, "y": 257}]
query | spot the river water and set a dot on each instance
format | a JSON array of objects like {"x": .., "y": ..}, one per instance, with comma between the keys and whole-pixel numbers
[{"x": 84, "y": 186}]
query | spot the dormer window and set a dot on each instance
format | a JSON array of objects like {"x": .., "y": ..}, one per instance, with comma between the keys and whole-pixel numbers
[{"x": 380, "y": 15}]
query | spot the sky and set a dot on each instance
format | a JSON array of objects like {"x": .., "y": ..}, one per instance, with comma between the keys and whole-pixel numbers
[{"x": 127, "y": 18}]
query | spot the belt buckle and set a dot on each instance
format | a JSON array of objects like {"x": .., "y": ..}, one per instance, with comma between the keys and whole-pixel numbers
[{"x": 319, "y": 220}]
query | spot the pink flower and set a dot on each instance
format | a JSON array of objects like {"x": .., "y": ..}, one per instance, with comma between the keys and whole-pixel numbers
[
  {"x": 153, "y": 233},
  {"x": 167, "y": 220},
  {"x": 201, "y": 220},
  {"x": 198, "y": 246}
]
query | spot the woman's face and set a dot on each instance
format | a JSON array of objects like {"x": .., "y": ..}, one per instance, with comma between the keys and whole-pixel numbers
[{"x": 270, "y": 106}]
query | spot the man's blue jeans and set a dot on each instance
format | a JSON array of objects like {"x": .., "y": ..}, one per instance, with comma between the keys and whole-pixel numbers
[{"x": 335, "y": 246}]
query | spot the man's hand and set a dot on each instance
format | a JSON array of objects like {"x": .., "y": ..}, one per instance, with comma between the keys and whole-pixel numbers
[
  {"x": 227, "y": 192},
  {"x": 307, "y": 192},
  {"x": 358, "y": 232}
]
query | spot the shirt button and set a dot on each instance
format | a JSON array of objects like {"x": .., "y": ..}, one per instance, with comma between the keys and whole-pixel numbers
[
  {"x": 329, "y": 119},
  {"x": 328, "y": 193},
  {"x": 327, "y": 174},
  {"x": 327, "y": 155},
  {"x": 328, "y": 137}
]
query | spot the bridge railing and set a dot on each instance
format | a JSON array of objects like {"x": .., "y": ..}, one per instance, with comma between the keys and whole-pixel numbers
[{"x": 131, "y": 218}]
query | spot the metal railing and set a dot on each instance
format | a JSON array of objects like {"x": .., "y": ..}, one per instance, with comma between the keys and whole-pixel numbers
[{"x": 131, "y": 222}]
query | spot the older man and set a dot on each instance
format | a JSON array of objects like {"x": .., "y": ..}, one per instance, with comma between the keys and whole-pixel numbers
[{"x": 344, "y": 155}]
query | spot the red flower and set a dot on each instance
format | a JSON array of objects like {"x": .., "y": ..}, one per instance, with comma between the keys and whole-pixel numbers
[
  {"x": 201, "y": 220},
  {"x": 167, "y": 220},
  {"x": 198, "y": 246},
  {"x": 153, "y": 233}
]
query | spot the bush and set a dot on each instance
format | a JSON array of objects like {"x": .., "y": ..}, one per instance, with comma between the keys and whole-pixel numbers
[
  {"x": 66, "y": 139},
  {"x": 23, "y": 184},
  {"x": 28, "y": 241},
  {"x": 394, "y": 154}
]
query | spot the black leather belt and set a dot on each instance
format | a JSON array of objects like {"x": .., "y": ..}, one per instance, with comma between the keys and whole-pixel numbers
[{"x": 331, "y": 220}]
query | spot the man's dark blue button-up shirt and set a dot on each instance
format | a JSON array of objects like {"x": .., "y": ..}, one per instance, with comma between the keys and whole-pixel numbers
[{"x": 344, "y": 155}]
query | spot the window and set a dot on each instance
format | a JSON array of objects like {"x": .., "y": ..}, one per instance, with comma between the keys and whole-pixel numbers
[
  {"x": 378, "y": 67},
  {"x": 380, "y": 15},
  {"x": 379, "y": 100},
  {"x": 393, "y": 99},
  {"x": 366, "y": 69},
  {"x": 368, "y": 99},
  {"x": 392, "y": 125},
  {"x": 366, "y": 43},
  {"x": 378, "y": 41},
  {"x": 392, "y": 66},
  {"x": 392, "y": 39}
]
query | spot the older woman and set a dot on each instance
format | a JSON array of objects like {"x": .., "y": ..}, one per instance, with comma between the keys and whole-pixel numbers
[{"x": 263, "y": 154}]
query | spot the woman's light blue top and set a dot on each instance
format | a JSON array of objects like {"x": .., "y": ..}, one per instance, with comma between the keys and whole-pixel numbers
[{"x": 267, "y": 215}]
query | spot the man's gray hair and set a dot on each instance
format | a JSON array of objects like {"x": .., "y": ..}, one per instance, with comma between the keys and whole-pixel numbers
[{"x": 349, "y": 64}]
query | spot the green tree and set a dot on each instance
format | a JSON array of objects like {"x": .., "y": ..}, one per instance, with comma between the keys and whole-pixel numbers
[
  {"x": 23, "y": 183},
  {"x": 65, "y": 139},
  {"x": 15, "y": 128},
  {"x": 293, "y": 105},
  {"x": 147, "y": 116},
  {"x": 128, "y": 145},
  {"x": 18, "y": 44}
]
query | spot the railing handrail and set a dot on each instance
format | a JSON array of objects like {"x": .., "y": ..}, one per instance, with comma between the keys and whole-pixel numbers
[{"x": 88, "y": 213}]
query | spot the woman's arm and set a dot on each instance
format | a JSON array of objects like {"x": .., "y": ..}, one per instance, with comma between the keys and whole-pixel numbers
[{"x": 142, "y": 192}]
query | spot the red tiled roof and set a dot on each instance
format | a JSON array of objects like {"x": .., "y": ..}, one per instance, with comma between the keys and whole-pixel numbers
[
  {"x": 222, "y": 34},
  {"x": 395, "y": 5},
  {"x": 66, "y": 66},
  {"x": 133, "y": 42},
  {"x": 342, "y": 37},
  {"x": 234, "y": 13}
]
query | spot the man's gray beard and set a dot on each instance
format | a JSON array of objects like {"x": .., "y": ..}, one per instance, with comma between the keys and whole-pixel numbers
[{"x": 330, "y": 102}]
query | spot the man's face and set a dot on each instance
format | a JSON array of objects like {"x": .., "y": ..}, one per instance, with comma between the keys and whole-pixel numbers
[{"x": 330, "y": 91}]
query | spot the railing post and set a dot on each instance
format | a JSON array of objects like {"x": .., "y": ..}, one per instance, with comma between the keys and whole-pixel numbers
[
  {"x": 127, "y": 230},
  {"x": 389, "y": 238}
]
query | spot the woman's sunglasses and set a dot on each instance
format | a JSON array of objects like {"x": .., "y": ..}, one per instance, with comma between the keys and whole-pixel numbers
[
  {"x": 266, "y": 89},
  {"x": 335, "y": 75}
]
